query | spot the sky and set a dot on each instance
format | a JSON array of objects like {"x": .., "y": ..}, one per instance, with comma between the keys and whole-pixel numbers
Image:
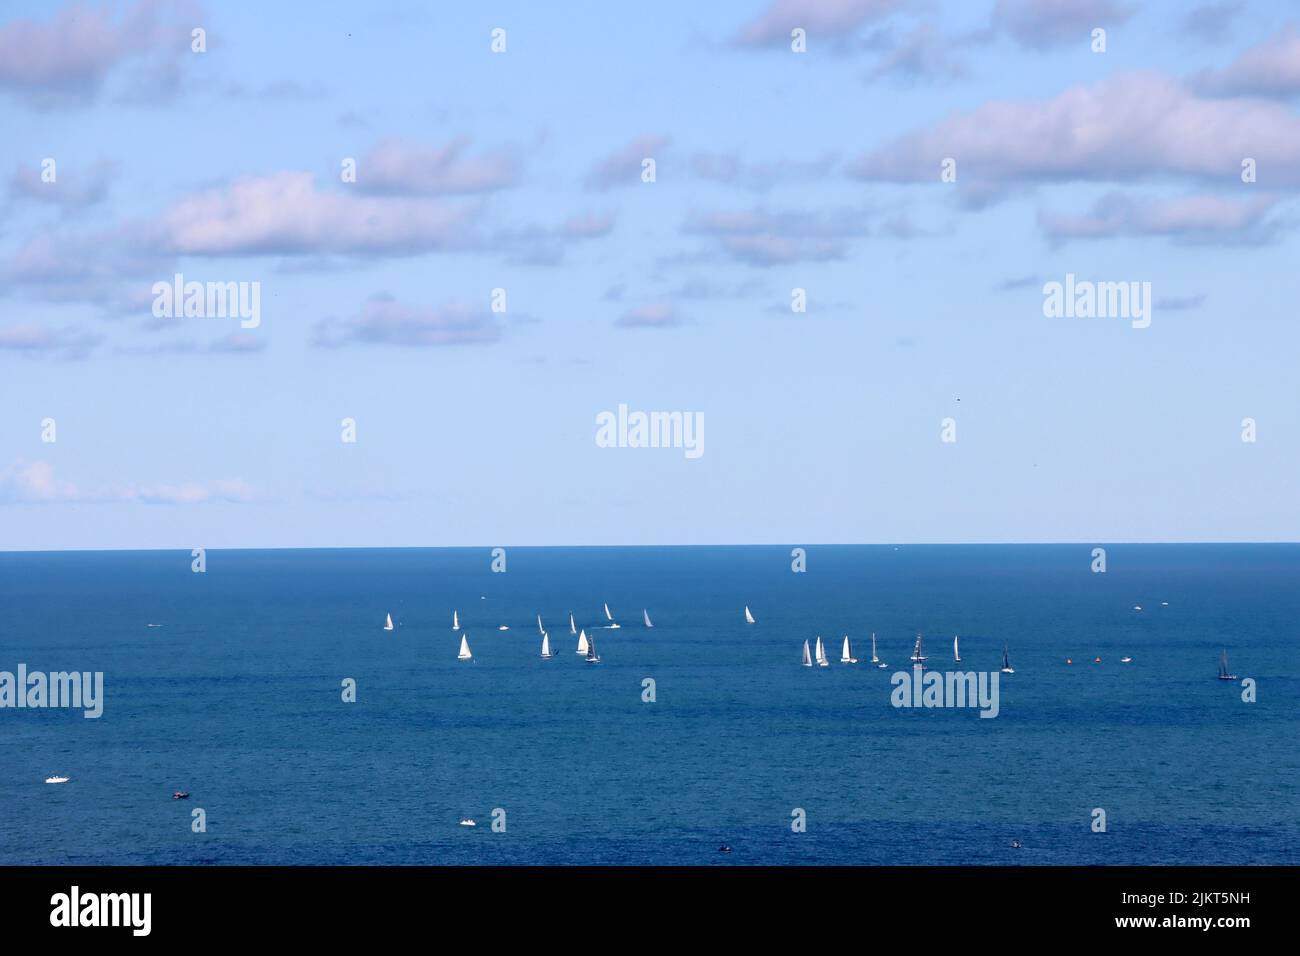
[{"x": 522, "y": 169}]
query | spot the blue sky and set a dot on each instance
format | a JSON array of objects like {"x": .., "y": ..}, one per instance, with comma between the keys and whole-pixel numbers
[{"x": 521, "y": 170}]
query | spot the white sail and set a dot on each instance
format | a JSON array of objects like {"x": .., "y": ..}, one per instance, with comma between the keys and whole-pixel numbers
[
  {"x": 540, "y": 629},
  {"x": 388, "y": 622},
  {"x": 749, "y": 618},
  {"x": 846, "y": 655},
  {"x": 647, "y": 617},
  {"x": 874, "y": 658},
  {"x": 464, "y": 654},
  {"x": 546, "y": 644},
  {"x": 917, "y": 653},
  {"x": 956, "y": 654},
  {"x": 582, "y": 642},
  {"x": 807, "y": 656},
  {"x": 592, "y": 656},
  {"x": 572, "y": 629},
  {"x": 822, "y": 660},
  {"x": 455, "y": 621},
  {"x": 608, "y": 616}
]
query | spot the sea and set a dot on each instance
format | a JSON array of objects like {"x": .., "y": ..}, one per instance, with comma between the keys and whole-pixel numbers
[{"x": 700, "y": 733}]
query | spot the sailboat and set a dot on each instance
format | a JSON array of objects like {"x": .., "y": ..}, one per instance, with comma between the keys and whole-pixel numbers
[
  {"x": 1223, "y": 667},
  {"x": 592, "y": 656},
  {"x": 874, "y": 659},
  {"x": 612, "y": 625},
  {"x": 807, "y": 655},
  {"x": 455, "y": 621},
  {"x": 1006, "y": 664},
  {"x": 582, "y": 642},
  {"x": 539, "y": 624},
  {"x": 822, "y": 660},
  {"x": 956, "y": 654},
  {"x": 464, "y": 654},
  {"x": 647, "y": 617},
  {"x": 917, "y": 654},
  {"x": 388, "y": 622},
  {"x": 572, "y": 629},
  {"x": 846, "y": 655},
  {"x": 749, "y": 618},
  {"x": 546, "y": 646}
]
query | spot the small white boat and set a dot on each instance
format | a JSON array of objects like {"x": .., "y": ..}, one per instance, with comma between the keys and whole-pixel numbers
[
  {"x": 582, "y": 642},
  {"x": 874, "y": 658},
  {"x": 1137, "y": 607},
  {"x": 846, "y": 655},
  {"x": 956, "y": 654},
  {"x": 504, "y": 627},
  {"x": 822, "y": 660},
  {"x": 592, "y": 656},
  {"x": 1006, "y": 664},
  {"x": 749, "y": 618},
  {"x": 153, "y": 625},
  {"x": 647, "y": 617},
  {"x": 1126, "y": 660},
  {"x": 56, "y": 779},
  {"x": 1164, "y": 603},
  {"x": 546, "y": 646},
  {"x": 807, "y": 655},
  {"x": 572, "y": 629},
  {"x": 1223, "y": 667},
  {"x": 464, "y": 654},
  {"x": 467, "y": 822},
  {"x": 388, "y": 622},
  {"x": 455, "y": 621}
]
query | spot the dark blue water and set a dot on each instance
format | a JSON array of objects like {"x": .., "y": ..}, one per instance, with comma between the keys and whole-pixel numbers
[{"x": 237, "y": 699}]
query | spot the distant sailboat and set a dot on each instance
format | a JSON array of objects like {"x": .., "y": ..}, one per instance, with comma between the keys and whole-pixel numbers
[
  {"x": 874, "y": 659},
  {"x": 504, "y": 627},
  {"x": 608, "y": 616},
  {"x": 807, "y": 655},
  {"x": 846, "y": 655},
  {"x": 455, "y": 621},
  {"x": 539, "y": 625},
  {"x": 1006, "y": 664},
  {"x": 647, "y": 617},
  {"x": 388, "y": 622},
  {"x": 956, "y": 654},
  {"x": 1223, "y": 667},
  {"x": 572, "y": 629},
  {"x": 582, "y": 642},
  {"x": 612, "y": 625},
  {"x": 749, "y": 618},
  {"x": 546, "y": 646},
  {"x": 56, "y": 779},
  {"x": 1126, "y": 660},
  {"x": 592, "y": 656},
  {"x": 822, "y": 660},
  {"x": 917, "y": 653},
  {"x": 464, "y": 654}
]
